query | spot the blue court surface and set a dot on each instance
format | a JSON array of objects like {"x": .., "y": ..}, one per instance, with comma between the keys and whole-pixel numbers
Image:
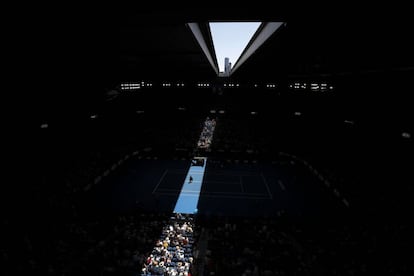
[
  {"x": 219, "y": 188},
  {"x": 190, "y": 192}
]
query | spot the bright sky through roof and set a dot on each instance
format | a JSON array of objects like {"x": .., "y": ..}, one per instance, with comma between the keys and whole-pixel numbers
[{"x": 230, "y": 39}]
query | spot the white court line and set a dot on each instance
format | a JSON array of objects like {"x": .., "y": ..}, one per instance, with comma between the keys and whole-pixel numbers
[
  {"x": 190, "y": 195},
  {"x": 231, "y": 173},
  {"x": 220, "y": 193},
  {"x": 281, "y": 185},
  {"x": 159, "y": 182},
  {"x": 177, "y": 172},
  {"x": 219, "y": 196},
  {"x": 233, "y": 193},
  {"x": 223, "y": 182},
  {"x": 196, "y": 173},
  {"x": 228, "y": 196},
  {"x": 229, "y": 193},
  {"x": 189, "y": 192},
  {"x": 235, "y": 197},
  {"x": 267, "y": 186}
]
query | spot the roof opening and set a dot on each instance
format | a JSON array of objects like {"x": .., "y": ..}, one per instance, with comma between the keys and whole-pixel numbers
[{"x": 229, "y": 40}]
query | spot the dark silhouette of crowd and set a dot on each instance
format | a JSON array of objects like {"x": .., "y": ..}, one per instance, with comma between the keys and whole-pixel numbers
[
  {"x": 47, "y": 231},
  {"x": 282, "y": 245}
]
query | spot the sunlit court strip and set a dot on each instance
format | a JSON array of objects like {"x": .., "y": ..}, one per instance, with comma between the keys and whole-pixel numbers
[
  {"x": 167, "y": 259},
  {"x": 190, "y": 192}
]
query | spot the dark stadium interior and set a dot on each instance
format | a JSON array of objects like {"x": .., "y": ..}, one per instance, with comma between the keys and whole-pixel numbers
[{"x": 298, "y": 181}]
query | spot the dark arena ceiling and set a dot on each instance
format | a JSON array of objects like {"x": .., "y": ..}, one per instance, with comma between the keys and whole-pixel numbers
[
  {"x": 365, "y": 52},
  {"x": 113, "y": 44},
  {"x": 159, "y": 44}
]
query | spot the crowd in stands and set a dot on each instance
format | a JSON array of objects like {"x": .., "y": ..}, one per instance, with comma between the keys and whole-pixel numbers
[
  {"x": 172, "y": 254},
  {"x": 250, "y": 247},
  {"x": 124, "y": 249},
  {"x": 49, "y": 235},
  {"x": 105, "y": 245},
  {"x": 234, "y": 137},
  {"x": 57, "y": 237},
  {"x": 124, "y": 245},
  {"x": 280, "y": 246},
  {"x": 206, "y": 136}
]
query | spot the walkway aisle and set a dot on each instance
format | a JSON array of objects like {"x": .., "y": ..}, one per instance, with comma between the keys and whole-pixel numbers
[{"x": 202, "y": 251}]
